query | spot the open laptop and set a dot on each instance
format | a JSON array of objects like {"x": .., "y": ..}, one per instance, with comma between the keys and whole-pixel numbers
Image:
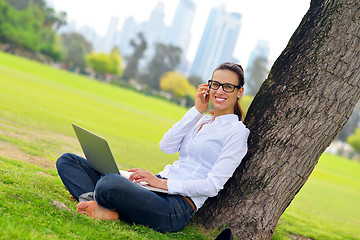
[{"x": 98, "y": 154}]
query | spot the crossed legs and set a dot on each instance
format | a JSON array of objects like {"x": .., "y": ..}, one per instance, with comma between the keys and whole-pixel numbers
[{"x": 117, "y": 197}]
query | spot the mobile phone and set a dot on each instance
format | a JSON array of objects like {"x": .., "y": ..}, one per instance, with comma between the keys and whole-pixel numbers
[{"x": 204, "y": 97}]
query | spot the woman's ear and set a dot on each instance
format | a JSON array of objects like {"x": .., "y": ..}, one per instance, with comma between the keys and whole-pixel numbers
[{"x": 240, "y": 93}]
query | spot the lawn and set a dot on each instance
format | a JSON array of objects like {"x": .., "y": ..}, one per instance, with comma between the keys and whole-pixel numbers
[
  {"x": 37, "y": 106},
  {"x": 39, "y": 103},
  {"x": 328, "y": 205},
  {"x": 28, "y": 210}
]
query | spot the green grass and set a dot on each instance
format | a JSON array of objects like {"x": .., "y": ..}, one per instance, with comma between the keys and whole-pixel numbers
[
  {"x": 328, "y": 205},
  {"x": 38, "y": 105},
  {"x": 27, "y": 212}
]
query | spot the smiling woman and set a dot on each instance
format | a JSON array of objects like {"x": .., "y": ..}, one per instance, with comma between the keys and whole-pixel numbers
[
  {"x": 211, "y": 148},
  {"x": 230, "y": 77}
]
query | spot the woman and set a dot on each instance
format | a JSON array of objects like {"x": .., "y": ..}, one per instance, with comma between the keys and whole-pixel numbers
[{"x": 211, "y": 148}]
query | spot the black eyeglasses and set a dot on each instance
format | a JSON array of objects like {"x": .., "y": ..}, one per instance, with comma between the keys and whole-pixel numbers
[{"x": 227, "y": 87}]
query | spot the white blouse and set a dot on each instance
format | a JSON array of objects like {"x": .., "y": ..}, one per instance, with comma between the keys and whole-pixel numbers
[{"x": 208, "y": 157}]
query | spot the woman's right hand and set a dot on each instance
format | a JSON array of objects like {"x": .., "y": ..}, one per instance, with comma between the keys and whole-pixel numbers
[
  {"x": 141, "y": 175},
  {"x": 200, "y": 104}
]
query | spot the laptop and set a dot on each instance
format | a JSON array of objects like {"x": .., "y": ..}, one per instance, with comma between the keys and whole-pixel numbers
[{"x": 98, "y": 154}]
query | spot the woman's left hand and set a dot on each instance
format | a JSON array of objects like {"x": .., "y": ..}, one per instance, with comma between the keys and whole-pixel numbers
[{"x": 141, "y": 175}]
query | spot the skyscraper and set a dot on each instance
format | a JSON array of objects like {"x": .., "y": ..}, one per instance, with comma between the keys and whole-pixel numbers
[
  {"x": 179, "y": 33},
  {"x": 88, "y": 33},
  {"x": 111, "y": 35},
  {"x": 129, "y": 30},
  {"x": 257, "y": 67},
  {"x": 218, "y": 41},
  {"x": 155, "y": 29},
  {"x": 261, "y": 49}
]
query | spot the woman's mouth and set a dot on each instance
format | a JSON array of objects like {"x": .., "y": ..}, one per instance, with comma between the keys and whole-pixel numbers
[{"x": 219, "y": 99}]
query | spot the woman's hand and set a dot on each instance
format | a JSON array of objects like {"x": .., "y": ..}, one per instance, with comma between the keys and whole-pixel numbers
[
  {"x": 140, "y": 175},
  {"x": 200, "y": 104}
]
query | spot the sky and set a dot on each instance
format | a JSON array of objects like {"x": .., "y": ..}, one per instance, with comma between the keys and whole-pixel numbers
[{"x": 270, "y": 20}]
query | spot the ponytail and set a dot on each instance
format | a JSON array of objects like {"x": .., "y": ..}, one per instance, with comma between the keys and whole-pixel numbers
[{"x": 238, "y": 111}]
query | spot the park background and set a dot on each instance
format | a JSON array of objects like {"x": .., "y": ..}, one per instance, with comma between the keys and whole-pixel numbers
[{"x": 39, "y": 103}]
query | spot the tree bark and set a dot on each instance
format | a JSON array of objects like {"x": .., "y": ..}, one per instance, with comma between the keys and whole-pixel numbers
[{"x": 307, "y": 98}]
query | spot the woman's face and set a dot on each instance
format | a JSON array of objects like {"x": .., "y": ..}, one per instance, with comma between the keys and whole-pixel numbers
[{"x": 222, "y": 101}]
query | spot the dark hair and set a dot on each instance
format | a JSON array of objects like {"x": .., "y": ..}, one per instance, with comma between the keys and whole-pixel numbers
[{"x": 236, "y": 68}]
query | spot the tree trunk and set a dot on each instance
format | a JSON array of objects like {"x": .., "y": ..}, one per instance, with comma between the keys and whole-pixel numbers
[{"x": 309, "y": 95}]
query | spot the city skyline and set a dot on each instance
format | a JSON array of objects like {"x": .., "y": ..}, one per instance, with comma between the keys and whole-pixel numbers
[
  {"x": 273, "y": 22},
  {"x": 154, "y": 30},
  {"x": 217, "y": 42}
]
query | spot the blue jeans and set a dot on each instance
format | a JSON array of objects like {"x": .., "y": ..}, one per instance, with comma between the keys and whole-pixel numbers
[{"x": 135, "y": 204}]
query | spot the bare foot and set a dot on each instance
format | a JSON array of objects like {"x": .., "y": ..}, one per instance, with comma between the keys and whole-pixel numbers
[{"x": 93, "y": 210}]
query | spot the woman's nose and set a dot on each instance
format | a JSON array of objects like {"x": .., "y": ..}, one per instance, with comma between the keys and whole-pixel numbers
[{"x": 220, "y": 90}]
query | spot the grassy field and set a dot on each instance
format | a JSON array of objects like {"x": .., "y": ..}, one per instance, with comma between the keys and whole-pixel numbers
[
  {"x": 28, "y": 210},
  {"x": 328, "y": 205},
  {"x": 38, "y": 105}
]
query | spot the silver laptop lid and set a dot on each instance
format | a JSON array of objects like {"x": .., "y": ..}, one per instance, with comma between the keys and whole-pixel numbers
[{"x": 96, "y": 150}]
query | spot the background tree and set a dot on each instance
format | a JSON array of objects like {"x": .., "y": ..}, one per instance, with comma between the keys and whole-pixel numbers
[
  {"x": 19, "y": 4},
  {"x": 132, "y": 66},
  {"x": 177, "y": 84},
  {"x": 100, "y": 63},
  {"x": 195, "y": 80},
  {"x": 55, "y": 19},
  {"x": 105, "y": 64},
  {"x": 74, "y": 49},
  {"x": 256, "y": 74},
  {"x": 27, "y": 28},
  {"x": 116, "y": 62},
  {"x": 351, "y": 125},
  {"x": 354, "y": 140},
  {"x": 245, "y": 102},
  {"x": 166, "y": 59},
  {"x": 309, "y": 95}
]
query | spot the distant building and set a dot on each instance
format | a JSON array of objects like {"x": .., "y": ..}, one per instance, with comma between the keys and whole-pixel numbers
[
  {"x": 110, "y": 37},
  {"x": 261, "y": 49},
  {"x": 88, "y": 33},
  {"x": 218, "y": 41},
  {"x": 155, "y": 29},
  {"x": 254, "y": 81},
  {"x": 179, "y": 33},
  {"x": 129, "y": 31},
  {"x": 68, "y": 28}
]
